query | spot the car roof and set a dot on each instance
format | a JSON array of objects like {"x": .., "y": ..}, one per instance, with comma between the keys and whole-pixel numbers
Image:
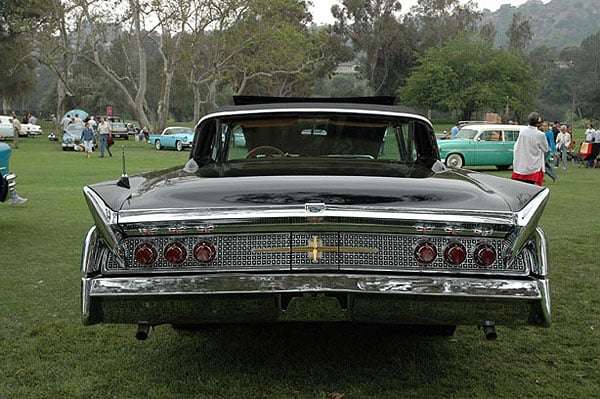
[
  {"x": 311, "y": 107},
  {"x": 492, "y": 126}
]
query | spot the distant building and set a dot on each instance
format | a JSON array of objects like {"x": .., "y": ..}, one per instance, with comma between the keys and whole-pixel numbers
[{"x": 346, "y": 68}]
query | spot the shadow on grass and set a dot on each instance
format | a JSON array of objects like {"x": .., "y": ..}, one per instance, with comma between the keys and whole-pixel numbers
[{"x": 273, "y": 360}]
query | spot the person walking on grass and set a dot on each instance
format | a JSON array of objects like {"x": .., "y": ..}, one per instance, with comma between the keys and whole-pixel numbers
[
  {"x": 563, "y": 141},
  {"x": 103, "y": 133},
  {"x": 87, "y": 139},
  {"x": 552, "y": 150}
]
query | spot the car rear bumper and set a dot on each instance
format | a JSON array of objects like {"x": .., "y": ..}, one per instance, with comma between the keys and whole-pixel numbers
[{"x": 226, "y": 298}]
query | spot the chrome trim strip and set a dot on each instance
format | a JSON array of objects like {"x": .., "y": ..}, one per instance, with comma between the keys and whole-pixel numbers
[
  {"x": 86, "y": 289},
  {"x": 542, "y": 252},
  {"x": 532, "y": 212},
  {"x": 527, "y": 219},
  {"x": 87, "y": 254},
  {"x": 433, "y": 286},
  {"x": 107, "y": 299},
  {"x": 104, "y": 217},
  {"x": 232, "y": 215},
  {"x": 326, "y": 108}
]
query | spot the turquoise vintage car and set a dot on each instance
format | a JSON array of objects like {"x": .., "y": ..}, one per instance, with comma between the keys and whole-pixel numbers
[
  {"x": 173, "y": 137},
  {"x": 482, "y": 144},
  {"x": 6, "y": 179}
]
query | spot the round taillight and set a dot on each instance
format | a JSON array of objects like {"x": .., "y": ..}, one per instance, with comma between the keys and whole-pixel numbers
[
  {"x": 455, "y": 253},
  {"x": 175, "y": 252},
  {"x": 205, "y": 252},
  {"x": 146, "y": 253},
  {"x": 485, "y": 254},
  {"x": 425, "y": 252}
]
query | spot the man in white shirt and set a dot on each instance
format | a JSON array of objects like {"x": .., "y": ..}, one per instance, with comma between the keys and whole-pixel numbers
[
  {"x": 93, "y": 123},
  {"x": 66, "y": 121},
  {"x": 589, "y": 134},
  {"x": 563, "y": 141},
  {"x": 530, "y": 152},
  {"x": 103, "y": 132}
]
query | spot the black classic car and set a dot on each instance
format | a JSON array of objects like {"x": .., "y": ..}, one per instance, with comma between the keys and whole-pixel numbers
[{"x": 332, "y": 210}]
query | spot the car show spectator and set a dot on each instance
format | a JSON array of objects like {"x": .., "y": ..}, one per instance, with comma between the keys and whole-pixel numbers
[
  {"x": 555, "y": 130},
  {"x": 530, "y": 152},
  {"x": 595, "y": 150},
  {"x": 548, "y": 132},
  {"x": 16, "y": 130},
  {"x": 93, "y": 123},
  {"x": 589, "y": 133},
  {"x": 590, "y": 137},
  {"x": 87, "y": 139},
  {"x": 563, "y": 141},
  {"x": 103, "y": 134},
  {"x": 66, "y": 121},
  {"x": 454, "y": 130}
]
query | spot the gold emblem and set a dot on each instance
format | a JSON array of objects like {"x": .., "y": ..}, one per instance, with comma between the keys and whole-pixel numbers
[{"x": 315, "y": 249}]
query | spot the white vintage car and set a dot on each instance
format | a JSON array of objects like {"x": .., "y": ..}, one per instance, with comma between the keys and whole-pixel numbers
[
  {"x": 30, "y": 130},
  {"x": 6, "y": 127},
  {"x": 27, "y": 129}
]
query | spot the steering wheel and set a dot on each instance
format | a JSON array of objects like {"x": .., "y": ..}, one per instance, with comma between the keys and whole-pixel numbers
[{"x": 266, "y": 150}]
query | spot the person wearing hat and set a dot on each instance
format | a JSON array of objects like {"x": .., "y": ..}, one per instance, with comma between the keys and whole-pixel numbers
[{"x": 530, "y": 152}]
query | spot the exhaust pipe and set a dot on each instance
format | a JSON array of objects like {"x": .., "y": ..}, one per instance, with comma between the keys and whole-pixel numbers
[
  {"x": 489, "y": 329},
  {"x": 142, "y": 331}
]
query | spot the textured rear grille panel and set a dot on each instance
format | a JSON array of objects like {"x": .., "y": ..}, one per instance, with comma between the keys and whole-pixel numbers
[{"x": 313, "y": 251}]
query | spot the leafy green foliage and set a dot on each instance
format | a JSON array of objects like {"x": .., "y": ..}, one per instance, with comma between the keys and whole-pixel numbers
[
  {"x": 17, "y": 69},
  {"x": 469, "y": 76}
]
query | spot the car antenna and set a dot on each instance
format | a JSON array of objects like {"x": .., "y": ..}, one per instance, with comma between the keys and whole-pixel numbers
[{"x": 124, "y": 180}]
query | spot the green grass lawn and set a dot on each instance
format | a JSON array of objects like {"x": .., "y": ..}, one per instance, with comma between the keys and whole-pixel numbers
[{"x": 45, "y": 351}]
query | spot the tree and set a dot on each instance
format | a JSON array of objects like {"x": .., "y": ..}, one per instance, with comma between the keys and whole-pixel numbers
[
  {"x": 58, "y": 44},
  {"x": 281, "y": 56},
  {"x": 586, "y": 82},
  {"x": 18, "y": 18},
  {"x": 519, "y": 34},
  {"x": 438, "y": 21},
  {"x": 384, "y": 47},
  {"x": 469, "y": 77}
]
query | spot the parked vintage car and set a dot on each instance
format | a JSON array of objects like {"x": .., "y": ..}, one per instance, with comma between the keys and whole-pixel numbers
[
  {"x": 27, "y": 129},
  {"x": 72, "y": 136},
  {"x": 30, "y": 130},
  {"x": 477, "y": 145},
  {"x": 119, "y": 130},
  {"x": 6, "y": 127},
  {"x": 7, "y": 180},
  {"x": 310, "y": 223},
  {"x": 173, "y": 137}
]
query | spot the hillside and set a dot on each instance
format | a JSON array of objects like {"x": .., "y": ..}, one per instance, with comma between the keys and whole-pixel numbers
[{"x": 559, "y": 23}]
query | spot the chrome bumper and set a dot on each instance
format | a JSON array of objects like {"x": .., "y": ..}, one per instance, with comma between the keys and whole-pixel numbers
[{"x": 222, "y": 298}]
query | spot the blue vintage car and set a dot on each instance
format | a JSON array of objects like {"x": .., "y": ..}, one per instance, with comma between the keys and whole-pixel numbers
[
  {"x": 173, "y": 137},
  {"x": 480, "y": 144},
  {"x": 7, "y": 182}
]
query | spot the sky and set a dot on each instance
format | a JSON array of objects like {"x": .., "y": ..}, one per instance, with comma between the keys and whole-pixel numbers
[{"x": 322, "y": 15}]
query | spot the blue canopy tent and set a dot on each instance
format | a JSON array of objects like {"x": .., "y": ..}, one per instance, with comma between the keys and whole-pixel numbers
[{"x": 82, "y": 114}]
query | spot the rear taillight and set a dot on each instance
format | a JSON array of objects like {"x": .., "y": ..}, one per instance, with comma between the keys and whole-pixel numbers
[
  {"x": 205, "y": 252},
  {"x": 425, "y": 252},
  {"x": 455, "y": 253},
  {"x": 146, "y": 253},
  {"x": 175, "y": 253},
  {"x": 484, "y": 254}
]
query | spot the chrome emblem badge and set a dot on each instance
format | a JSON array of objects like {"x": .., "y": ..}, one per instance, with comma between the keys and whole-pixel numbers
[{"x": 315, "y": 249}]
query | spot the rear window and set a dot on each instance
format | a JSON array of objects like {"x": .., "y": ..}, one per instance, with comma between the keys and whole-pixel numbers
[{"x": 339, "y": 137}]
